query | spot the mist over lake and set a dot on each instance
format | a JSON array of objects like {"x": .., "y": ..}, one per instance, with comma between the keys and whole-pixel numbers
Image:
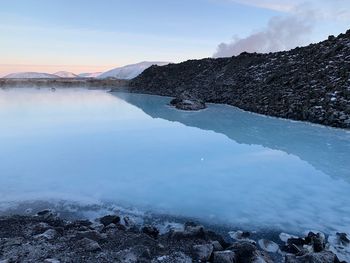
[{"x": 221, "y": 165}]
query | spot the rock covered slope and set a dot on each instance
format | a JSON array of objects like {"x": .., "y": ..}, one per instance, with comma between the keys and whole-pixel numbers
[{"x": 311, "y": 83}]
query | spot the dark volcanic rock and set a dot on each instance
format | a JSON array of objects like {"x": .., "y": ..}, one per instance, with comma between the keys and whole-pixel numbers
[
  {"x": 322, "y": 257},
  {"x": 151, "y": 231},
  {"x": 187, "y": 104},
  {"x": 311, "y": 83},
  {"x": 110, "y": 219}
]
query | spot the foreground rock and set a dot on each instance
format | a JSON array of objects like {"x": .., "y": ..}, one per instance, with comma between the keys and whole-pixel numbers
[
  {"x": 309, "y": 83},
  {"x": 47, "y": 238}
]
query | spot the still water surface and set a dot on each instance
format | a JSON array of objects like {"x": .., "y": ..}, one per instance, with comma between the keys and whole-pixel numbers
[{"x": 219, "y": 164}]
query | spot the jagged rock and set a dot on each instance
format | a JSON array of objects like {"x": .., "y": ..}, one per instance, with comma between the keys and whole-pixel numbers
[
  {"x": 339, "y": 244},
  {"x": 110, "y": 219},
  {"x": 177, "y": 257},
  {"x": 91, "y": 234},
  {"x": 151, "y": 231},
  {"x": 88, "y": 245},
  {"x": 317, "y": 241},
  {"x": 284, "y": 237},
  {"x": 133, "y": 255},
  {"x": 246, "y": 252},
  {"x": 226, "y": 256},
  {"x": 48, "y": 234},
  {"x": 217, "y": 246},
  {"x": 47, "y": 214},
  {"x": 268, "y": 245},
  {"x": 321, "y": 257},
  {"x": 202, "y": 252}
]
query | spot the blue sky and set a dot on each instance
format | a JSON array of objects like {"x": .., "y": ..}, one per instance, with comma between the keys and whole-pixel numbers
[{"x": 77, "y": 35}]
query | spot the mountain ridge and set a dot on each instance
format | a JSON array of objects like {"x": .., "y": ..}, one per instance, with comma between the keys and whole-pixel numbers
[{"x": 130, "y": 71}]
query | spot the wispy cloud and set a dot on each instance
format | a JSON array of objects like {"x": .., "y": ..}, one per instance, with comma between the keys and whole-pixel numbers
[
  {"x": 281, "y": 33},
  {"x": 276, "y": 5},
  {"x": 289, "y": 30}
]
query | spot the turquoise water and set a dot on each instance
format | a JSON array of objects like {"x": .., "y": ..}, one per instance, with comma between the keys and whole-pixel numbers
[{"x": 221, "y": 164}]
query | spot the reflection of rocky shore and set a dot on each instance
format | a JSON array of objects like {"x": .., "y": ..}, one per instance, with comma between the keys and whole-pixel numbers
[
  {"x": 315, "y": 145},
  {"x": 112, "y": 238},
  {"x": 62, "y": 82}
]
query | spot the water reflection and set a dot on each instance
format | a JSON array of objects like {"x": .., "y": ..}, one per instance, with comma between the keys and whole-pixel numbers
[
  {"x": 326, "y": 149},
  {"x": 220, "y": 164}
]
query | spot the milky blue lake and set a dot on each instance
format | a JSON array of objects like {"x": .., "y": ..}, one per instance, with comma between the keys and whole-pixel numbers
[{"x": 219, "y": 165}]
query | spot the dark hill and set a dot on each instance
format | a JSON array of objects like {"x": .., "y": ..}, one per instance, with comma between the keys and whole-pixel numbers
[{"x": 310, "y": 83}]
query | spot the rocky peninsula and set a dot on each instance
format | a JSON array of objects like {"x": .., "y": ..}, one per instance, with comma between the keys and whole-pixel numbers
[
  {"x": 309, "y": 83},
  {"x": 45, "y": 237}
]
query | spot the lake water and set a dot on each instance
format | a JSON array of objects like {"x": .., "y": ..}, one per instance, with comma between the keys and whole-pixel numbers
[{"x": 220, "y": 165}]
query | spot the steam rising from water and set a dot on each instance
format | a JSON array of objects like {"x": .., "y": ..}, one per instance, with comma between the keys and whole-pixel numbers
[{"x": 281, "y": 33}]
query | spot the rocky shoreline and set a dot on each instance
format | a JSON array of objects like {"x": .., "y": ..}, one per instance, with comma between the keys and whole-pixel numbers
[
  {"x": 310, "y": 83},
  {"x": 45, "y": 237}
]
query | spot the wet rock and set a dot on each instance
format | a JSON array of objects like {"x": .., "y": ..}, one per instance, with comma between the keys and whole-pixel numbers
[
  {"x": 177, "y": 257},
  {"x": 151, "y": 231},
  {"x": 110, "y": 219},
  {"x": 226, "y": 256},
  {"x": 268, "y": 245},
  {"x": 240, "y": 235},
  {"x": 188, "y": 104},
  {"x": 246, "y": 252},
  {"x": 88, "y": 245},
  {"x": 91, "y": 234},
  {"x": 284, "y": 237},
  {"x": 217, "y": 246},
  {"x": 317, "y": 241},
  {"x": 202, "y": 252},
  {"x": 343, "y": 237},
  {"x": 51, "y": 260},
  {"x": 339, "y": 244},
  {"x": 48, "y": 234},
  {"x": 134, "y": 254},
  {"x": 128, "y": 222},
  {"x": 321, "y": 257},
  {"x": 47, "y": 214}
]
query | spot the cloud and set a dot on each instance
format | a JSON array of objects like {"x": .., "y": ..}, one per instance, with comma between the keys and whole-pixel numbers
[
  {"x": 290, "y": 29},
  {"x": 276, "y": 5},
  {"x": 281, "y": 33}
]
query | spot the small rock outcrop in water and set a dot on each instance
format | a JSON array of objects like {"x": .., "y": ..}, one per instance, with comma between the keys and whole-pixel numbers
[
  {"x": 47, "y": 238},
  {"x": 311, "y": 83},
  {"x": 187, "y": 102}
]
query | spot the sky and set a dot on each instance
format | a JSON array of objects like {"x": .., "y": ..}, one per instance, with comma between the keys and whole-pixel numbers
[{"x": 98, "y": 35}]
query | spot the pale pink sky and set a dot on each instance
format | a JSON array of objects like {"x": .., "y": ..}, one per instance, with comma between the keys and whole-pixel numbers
[{"x": 10, "y": 68}]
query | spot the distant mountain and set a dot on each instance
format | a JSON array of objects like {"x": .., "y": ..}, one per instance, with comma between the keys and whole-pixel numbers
[
  {"x": 89, "y": 75},
  {"x": 31, "y": 75},
  {"x": 65, "y": 74},
  {"x": 129, "y": 71}
]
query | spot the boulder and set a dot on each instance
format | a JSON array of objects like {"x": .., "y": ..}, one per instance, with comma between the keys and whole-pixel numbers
[
  {"x": 202, "y": 252},
  {"x": 226, "y": 256},
  {"x": 189, "y": 104},
  {"x": 151, "y": 231},
  {"x": 109, "y": 219},
  {"x": 321, "y": 257},
  {"x": 88, "y": 245}
]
